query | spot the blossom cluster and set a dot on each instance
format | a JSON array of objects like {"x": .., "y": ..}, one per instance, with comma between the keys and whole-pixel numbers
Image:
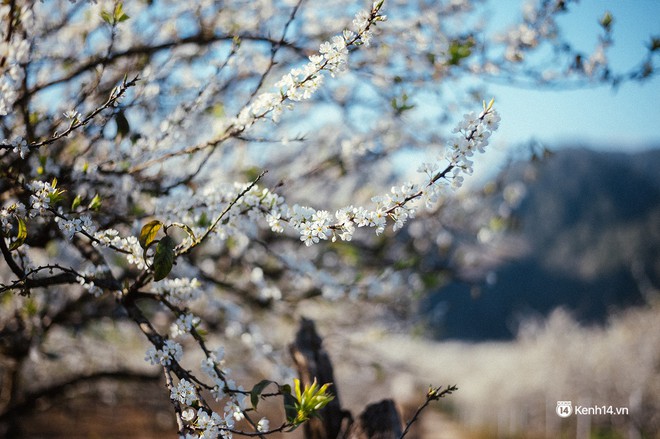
[
  {"x": 43, "y": 193},
  {"x": 209, "y": 425},
  {"x": 18, "y": 144},
  {"x": 179, "y": 290},
  {"x": 538, "y": 24},
  {"x": 184, "y": 392},
  {"x": 14, "y": 52},
  {"x": 86, "y": 279},
  {"x": 183, "y": 324},
  {"x": 301, "y": 82},
  {"x": 130, "y": 246},
  {"x": 314, "y": 226},
  {"x": 206, "y": 423},
  {"x": 474, "y": 132},
  {"x": 7, "y": 214},
  {"x": 71, "y": 226},
  {"x": 90, "y": 286},
  {"x": 211, "y": 365},
  {"x": 170, "y": 350}
]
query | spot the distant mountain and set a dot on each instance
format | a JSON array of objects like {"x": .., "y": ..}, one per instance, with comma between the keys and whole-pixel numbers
[{"x": 591, "y": 221}]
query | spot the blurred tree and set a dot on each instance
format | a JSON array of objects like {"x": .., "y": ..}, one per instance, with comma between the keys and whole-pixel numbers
[{"x": 197, "y": 169}]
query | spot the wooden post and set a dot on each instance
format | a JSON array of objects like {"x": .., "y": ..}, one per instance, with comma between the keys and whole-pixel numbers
[
  {"x": 312, "y": 361},
  {"x": 378, "y": 421}
]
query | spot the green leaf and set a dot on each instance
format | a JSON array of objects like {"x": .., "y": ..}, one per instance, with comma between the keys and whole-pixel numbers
[
  {"x": 186, "y": 228},
  {"x": 21, "y": 236},
  {"x": 459, "y": 50},
  {"x": 163, "y": 258},
  {"x": 122, "y": 17},
  {"x": 119, "y": 14},
  {"x": 148, "y": 233},
  {"x": 105, "y": 15},
  {"x": 123, "y": 127},
  {"x": 256, "y": 391},
  {"x": 57, "y": 195},
  {"x": 309, "y": 400},
  {"x": 218, "y": 110},
  {"x": 76, "y": 202},
  {"x": 95, "y": 204},
  {"x": 290, "y": 407},
  {"x": 606, "y": 21},
  {"x": 203, "y": 220}
]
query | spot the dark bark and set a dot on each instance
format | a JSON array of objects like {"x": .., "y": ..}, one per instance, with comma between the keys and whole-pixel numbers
[
  {"x": 378, "y": 421},
  {"x": 312, "y": 361}
]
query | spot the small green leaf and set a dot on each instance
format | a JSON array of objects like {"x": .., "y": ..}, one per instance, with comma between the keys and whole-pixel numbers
[
  {"x": 119, "y": 14},
  {"x": 163, "y": 258},
  {"x": 105, "y": 15},
  {"x": 186, "y": 228},
  {"x": 218, "y": 110},
  {"x": 256, "y": 391},
  {"x": 95, "y": 204},
  {"x": 203, "y": 220},
  {"x": 123, "y": 127},
  {"x": 606, "y": 21},
  {"x": 21, "y": 236},
  {"x": 76, "y": 202},
  {"x": 655, "y": 44},
  {"x": 148, "y": 233},
  {"x": 459, "y": 50}
]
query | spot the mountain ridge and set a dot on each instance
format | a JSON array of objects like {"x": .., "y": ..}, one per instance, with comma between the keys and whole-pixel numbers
[{"x": 592, "y": 223}]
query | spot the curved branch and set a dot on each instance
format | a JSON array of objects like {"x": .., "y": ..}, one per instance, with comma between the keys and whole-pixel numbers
[
  {"x": 29, "y": 400},
  {"x": 199, "y": 39}
]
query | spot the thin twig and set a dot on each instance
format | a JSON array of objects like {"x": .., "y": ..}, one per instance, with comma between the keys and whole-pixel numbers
[{"x": 432, "y": 395}]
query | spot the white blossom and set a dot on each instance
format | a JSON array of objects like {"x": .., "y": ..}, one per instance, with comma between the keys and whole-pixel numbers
[
  {"x": 184, "y": 392},
  {"x": 170, "y": 350}
]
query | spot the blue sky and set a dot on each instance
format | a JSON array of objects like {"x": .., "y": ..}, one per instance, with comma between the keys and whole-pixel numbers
[{"x": 624, "y": 119}]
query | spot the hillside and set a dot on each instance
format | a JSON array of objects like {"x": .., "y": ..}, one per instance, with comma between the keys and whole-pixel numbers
[{"x": 590, "y": 222}]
